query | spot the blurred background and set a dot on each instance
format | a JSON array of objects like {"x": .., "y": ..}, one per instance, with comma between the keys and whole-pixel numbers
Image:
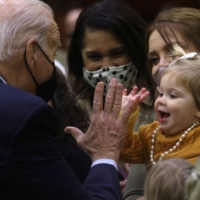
[
  {"x": 67, "y": 11},
  {"x": 147, "y": 9}
]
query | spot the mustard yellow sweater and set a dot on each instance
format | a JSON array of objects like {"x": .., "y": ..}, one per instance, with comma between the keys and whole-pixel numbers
[{"x": 138, "y": 144}]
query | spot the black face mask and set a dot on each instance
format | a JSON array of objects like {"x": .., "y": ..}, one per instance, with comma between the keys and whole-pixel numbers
[{"x": 46, "y": 89}]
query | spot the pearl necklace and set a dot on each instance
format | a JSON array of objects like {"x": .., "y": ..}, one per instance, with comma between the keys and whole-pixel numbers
[{"x": 171, "y": 149}]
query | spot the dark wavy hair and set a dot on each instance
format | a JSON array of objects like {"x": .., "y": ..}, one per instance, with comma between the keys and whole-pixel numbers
[
  {"x": 68, "y": 110},
  {"x": 123, "y": 23}
]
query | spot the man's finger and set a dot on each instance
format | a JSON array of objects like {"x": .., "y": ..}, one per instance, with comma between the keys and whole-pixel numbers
[
  {"x": 117, "y": 101},
  {"x": 98, "y": 98},
  {"x": 75, "y": 132},
  {"x": 110, "y": 95}
]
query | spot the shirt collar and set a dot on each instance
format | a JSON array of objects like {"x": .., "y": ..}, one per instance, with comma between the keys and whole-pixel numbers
[{"x": 2, "y": 80}]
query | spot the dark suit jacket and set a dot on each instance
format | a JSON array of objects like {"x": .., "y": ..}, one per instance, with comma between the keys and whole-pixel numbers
[
  {"x": 78, "y": 160},
  {"x": 31, "y": 163}
]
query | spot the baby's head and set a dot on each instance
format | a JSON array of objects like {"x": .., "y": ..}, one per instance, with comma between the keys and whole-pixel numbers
[
  {"x": 178, "y": 104},
  {"x": 166, "y": 179},
  {"x": 187, "y": 73}
]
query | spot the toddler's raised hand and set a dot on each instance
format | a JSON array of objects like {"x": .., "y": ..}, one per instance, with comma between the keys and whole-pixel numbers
[{"x": 136, "y": 96}]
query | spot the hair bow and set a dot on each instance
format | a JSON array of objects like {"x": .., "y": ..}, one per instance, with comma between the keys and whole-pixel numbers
[{"x": 188, "y": 55}]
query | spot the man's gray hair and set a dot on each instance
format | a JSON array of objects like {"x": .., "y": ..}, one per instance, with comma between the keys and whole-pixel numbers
[{"x": 20, "y": 21}]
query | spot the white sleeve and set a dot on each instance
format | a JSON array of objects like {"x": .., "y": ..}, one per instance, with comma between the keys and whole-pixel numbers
[{"x": 105, "y": 161}]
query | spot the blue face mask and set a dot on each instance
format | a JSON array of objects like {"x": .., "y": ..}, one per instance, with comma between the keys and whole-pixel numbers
[{"x": 46, "y": 89}]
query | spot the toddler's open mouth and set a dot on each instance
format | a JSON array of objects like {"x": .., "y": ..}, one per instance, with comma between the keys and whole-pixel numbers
[{"x": 164, "y": 114}]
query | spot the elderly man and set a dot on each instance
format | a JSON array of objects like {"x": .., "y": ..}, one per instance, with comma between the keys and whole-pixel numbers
[{"x": 31, "y": 163}]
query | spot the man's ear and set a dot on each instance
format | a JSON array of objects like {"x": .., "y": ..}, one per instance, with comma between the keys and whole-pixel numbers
[{"x": 31, "y": 48}]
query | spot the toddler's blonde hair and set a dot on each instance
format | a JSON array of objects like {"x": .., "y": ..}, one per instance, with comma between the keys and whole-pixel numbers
[{"x": 187, "y": 71}]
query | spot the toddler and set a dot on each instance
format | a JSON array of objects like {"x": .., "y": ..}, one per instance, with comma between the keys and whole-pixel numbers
[{"x": 176, "y": 133}]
